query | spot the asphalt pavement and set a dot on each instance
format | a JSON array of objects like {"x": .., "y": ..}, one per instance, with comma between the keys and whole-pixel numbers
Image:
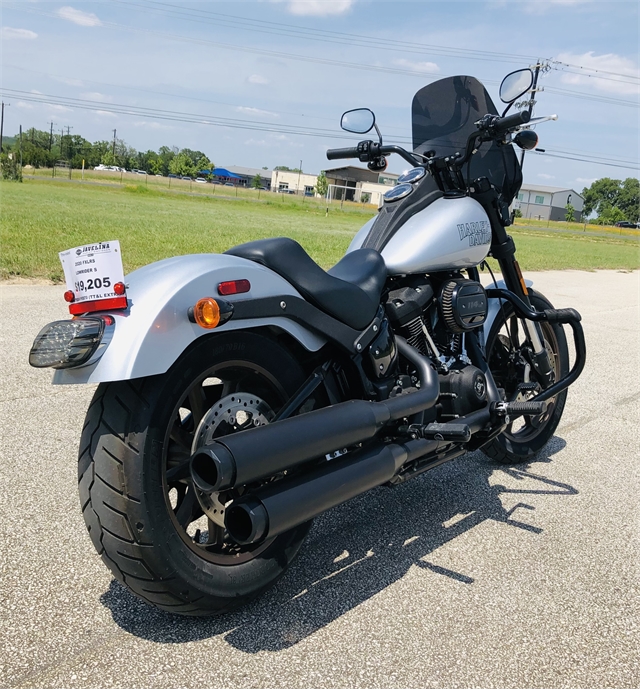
[{"x": 472, "y": 575}]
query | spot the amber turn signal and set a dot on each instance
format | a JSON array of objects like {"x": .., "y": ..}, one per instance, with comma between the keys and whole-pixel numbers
[
  {"x": 209, "y": 313},
  {"x": 206, "y": 313}
]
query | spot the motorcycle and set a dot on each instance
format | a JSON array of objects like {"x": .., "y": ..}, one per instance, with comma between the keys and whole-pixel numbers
[{"x": 222, "y": 425}]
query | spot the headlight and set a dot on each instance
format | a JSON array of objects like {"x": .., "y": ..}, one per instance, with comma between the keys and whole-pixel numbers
[{"x": 63, "y": 344}]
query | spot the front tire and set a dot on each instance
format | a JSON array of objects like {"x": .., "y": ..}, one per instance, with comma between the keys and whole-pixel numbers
[
  {"x": 524, "y": 438},
  {"x": 143, "y": 513}
]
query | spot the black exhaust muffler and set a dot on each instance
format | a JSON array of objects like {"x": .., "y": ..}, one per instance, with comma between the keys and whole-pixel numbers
[
  {"x": 258, "y": 453},
  {"x": 280, "y": 506}
]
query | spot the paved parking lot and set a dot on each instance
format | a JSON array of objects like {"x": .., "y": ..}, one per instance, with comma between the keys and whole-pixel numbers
[{"x": 469, "y": 576}]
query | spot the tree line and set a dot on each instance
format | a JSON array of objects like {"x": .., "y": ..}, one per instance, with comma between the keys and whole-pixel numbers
[
  {"x": 613, "y": 200},
  {"x": 44, "y": 149}
]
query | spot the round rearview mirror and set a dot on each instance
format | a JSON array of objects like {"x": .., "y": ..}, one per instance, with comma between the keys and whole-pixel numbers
[
  {"x": 515, "y": 84},
  {"x": 358, "y": 121}
]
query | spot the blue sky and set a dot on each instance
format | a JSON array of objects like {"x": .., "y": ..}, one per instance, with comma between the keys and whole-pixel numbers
[{"x": 258, "y": 65}]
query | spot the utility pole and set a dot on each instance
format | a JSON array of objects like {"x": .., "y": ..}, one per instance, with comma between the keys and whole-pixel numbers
[
  {"x": 2, "y": 123},
  {"x": 51, "y": 136},
  {"x": 113, "y": 150},
  {"x": 69, "y": 141},
  {"x": 299, "y": 173},
  {"x": 21, "y": 148},
  {"x": 541, "y": 66}
]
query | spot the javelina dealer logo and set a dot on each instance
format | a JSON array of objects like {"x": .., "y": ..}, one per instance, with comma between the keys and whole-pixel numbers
[
  {"x": 102, "y": 247},
  {"x": 478, "y": 232}
]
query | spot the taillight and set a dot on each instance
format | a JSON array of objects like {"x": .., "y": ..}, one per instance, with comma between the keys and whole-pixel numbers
[
  {"x": 233, "y": 287},
  {"x": 64, "y": 344}
]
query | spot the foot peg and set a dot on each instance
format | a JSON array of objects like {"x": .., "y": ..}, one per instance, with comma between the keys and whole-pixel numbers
[
  {"x": 445, "y": 432},
  {"x": 515, "y": 409}
]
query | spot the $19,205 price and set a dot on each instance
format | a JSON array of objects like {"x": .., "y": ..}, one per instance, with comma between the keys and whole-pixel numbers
[{"x": 92, "y": 283}]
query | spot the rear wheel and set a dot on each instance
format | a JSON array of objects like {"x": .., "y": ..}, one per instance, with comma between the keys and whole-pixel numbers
[
  {"x": 507, "y": 343},
  {"x": 161, "y": 537}
]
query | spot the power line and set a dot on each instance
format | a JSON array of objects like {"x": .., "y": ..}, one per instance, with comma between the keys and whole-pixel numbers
[
  {"x": 594, "y": 69},
  {"x": 164, "y": 93},
  {"x": 309, "y": 33},
  {"x": 550, "y": 154},
  {"x": 195, "y": 118},
  {"x": 424, "y": 75}
]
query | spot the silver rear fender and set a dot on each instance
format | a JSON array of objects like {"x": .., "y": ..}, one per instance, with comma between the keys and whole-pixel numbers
[{"x": 150, "y": 335}]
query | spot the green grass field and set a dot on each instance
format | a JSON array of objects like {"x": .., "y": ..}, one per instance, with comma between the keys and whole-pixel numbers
[{"x": 40, "y": 218}]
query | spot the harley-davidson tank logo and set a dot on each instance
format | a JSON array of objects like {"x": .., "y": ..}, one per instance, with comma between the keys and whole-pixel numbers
[{"x": 478, "y": 232}]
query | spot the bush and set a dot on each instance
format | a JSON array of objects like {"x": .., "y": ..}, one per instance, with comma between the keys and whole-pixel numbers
[{"x": 10, "y": 167}]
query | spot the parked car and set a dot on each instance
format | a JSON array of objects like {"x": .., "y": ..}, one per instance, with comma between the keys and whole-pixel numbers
[
  {"x": 101, "y": 167},
  {"x": 625, "y": 223},
  {"x": 229, "y": 184},
  {"x": 187, "y": 178},
  {"x": 172, "y": 175},
  {"x": 201, "y": 180}
]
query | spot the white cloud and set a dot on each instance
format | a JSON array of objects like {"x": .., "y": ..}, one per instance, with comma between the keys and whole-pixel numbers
[
  {"x": 587, "y": 181},
  {"x": 624, "y": 79},
  {"x": 105, "y": 113},
  {"x": 543, "y": 175},
  {"x": 258, "y": 79},
  {"x": 542, "y": 6},
  {"x": 60, "y": 108},
  {"x": 256, "y": 111},
  {"x": 256, "y": 142},
  {"x": 318, "y": 8},
  {"x": 426, "y": 67},
  {"x": 69, "y": 82},
  {"x": 26, "y": 106},
  {"x": 96, "y": 97},
  {"x": 9, "y": 34},
  {"x": 151, "y": 125},
  {"x": 78, "y": 16}
]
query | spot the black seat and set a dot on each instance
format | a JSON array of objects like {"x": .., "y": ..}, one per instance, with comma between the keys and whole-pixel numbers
[{"x": 350, "y": 291}]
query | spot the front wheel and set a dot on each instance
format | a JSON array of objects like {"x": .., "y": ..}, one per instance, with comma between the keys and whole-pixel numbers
[
  {"x": 161, "y": 537},
  {"x": 506, "y": 348}
]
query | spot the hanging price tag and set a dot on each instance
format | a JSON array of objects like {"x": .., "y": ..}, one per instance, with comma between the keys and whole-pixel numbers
[{"x": 91, "y": 271}]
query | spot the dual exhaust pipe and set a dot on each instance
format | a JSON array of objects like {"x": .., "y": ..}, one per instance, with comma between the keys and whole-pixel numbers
[{"x": 259, "y": 453}]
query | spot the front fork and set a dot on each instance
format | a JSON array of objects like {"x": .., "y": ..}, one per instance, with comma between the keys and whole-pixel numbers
[{"x": 515, "y": 283}]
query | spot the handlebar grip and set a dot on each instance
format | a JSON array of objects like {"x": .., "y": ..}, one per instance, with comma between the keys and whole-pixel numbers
[
  {"x": 511, "y": 121},
  {"x": 335, "y": 153},
  {"x": 562, "y": 315}
]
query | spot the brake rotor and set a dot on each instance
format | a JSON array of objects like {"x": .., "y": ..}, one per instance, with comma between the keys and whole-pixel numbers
[{"x": 237, "y": 412}]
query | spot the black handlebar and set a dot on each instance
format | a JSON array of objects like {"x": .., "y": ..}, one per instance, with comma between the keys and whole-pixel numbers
[
  {"x": 504, "y": 124},
  {"x": 490, "y": 125},
  {"x": 367, "y": 151},
  {"x": 336, "y": 153}
]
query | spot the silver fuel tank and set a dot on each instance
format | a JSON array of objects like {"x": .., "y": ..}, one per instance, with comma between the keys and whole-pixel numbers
[{"x": 448, "y": 234}]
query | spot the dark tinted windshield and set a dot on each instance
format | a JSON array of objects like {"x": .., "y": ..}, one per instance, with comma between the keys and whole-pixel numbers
[{"x": 443, "y": 116}]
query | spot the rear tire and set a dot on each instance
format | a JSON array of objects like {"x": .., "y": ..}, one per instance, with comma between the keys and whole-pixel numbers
[
  {"x": 142, "y": 521},
  {"x": 521, "y": 444}
]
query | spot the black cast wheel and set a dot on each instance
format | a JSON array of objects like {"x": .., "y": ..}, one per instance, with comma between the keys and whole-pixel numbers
[
  {"x": 507, "y": 343},
  {"x": 159, "y": 536}
]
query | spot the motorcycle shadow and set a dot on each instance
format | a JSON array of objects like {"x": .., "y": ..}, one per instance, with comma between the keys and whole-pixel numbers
[{"x": 358, "y": 549}]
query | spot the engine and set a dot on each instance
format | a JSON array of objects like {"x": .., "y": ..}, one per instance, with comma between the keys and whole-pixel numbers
[{"x": 433, "y": 314}]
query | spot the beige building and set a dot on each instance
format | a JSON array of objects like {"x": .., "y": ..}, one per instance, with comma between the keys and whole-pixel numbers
[
  {"x": 299, "y": 183},
  {"x": 547, "y": 203},
  {"x": 358, "y": 184}
]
